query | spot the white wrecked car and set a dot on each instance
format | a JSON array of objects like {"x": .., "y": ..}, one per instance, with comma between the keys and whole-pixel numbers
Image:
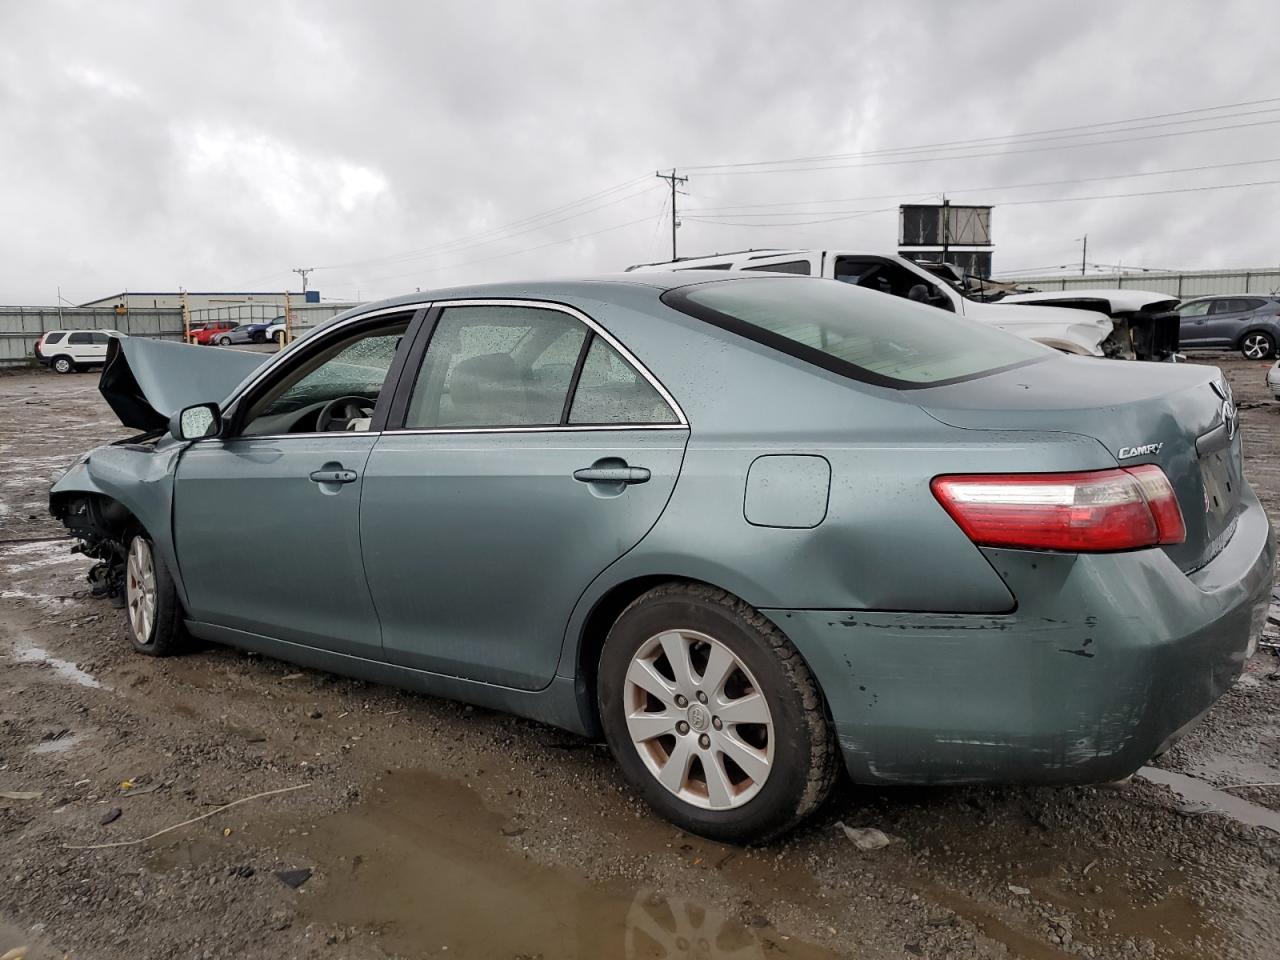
[{"x": 1071, "y": 331}]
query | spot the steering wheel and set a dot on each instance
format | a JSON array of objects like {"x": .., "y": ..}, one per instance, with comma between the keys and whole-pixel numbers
[{"x": 337, "y": 414}]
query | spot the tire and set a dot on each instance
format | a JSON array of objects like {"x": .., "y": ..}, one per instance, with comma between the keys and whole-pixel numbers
[
  {"x": 789, "y": 741},
  {"x": 63, "y": 365},
  {"x": 279, "y": 337},
  {"x": 225, "y": 341},
  {"x": 153, "y": 613},
  {"x": 1257, "y": 345}
]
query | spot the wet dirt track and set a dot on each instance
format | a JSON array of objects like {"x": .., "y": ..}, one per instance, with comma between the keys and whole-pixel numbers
[{"x": 435, "y": 830}]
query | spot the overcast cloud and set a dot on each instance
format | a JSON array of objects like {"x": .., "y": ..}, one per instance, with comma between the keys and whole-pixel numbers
[{"x": 214, "y": 146}]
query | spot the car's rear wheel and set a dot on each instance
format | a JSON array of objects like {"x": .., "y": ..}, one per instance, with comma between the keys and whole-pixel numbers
[
  {"x": 1257, "y": 345},
  {"x": 152, "y": 608},
  {"x": 63, "y": 365},
  {"x": 713, "y": 715}
]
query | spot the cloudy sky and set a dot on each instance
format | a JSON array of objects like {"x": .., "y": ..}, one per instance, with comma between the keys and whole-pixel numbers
[{"x": 398, "y": 145}]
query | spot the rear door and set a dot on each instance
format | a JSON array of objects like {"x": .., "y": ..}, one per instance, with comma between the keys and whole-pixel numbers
[
  {"x": 80, "y": 346},
  {"x": 98, "y": 347},
  {"x": 1225, "y": 318},
  {"x": 529, "y": 452}
]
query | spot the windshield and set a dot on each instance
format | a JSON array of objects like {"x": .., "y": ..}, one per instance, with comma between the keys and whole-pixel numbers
[{"x": 854, "y": 332}]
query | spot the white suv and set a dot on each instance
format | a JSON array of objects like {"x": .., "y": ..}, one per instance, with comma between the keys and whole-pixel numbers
[{"x": 70, "y": 350}]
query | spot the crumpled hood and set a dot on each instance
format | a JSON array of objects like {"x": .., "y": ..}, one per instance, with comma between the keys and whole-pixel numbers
[
  {"x": 1109, "y": 301},
  {"x": 145, "y": 382}
]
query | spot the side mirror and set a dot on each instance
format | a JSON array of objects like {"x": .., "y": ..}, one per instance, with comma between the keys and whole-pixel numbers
[{"x": 196, "y": 423}]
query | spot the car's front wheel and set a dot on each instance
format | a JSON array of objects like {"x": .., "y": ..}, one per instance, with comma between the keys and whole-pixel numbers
[
  {"x": 1257, "y": 345},
  {"x": 713, "y": 715},
  {"x": 225, "y": 341},
  {"x": 63, "y": 365},
  {"x": 152, "y": 607}
]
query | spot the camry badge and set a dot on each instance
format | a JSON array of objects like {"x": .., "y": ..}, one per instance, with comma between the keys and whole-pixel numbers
[{"x": 1127, "y": 453}]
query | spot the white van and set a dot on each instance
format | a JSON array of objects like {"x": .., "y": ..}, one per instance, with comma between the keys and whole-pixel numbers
[
  {"x": 69, "y": 350},
  {"x": 1088, "y": 332}
]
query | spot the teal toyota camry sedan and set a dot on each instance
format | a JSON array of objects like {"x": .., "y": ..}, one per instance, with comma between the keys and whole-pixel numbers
[{"x": 753, "y": 530}]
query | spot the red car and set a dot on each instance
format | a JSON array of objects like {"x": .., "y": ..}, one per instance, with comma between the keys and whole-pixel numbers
[{"x": 208, "y": 332}]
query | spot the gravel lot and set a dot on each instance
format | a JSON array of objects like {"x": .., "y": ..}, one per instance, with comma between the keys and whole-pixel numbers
[{"x": 436, "y": 830}]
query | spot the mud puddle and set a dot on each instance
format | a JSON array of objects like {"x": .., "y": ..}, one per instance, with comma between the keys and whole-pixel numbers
[
  {"x": 26, "y": 652},
  {"x": 423, "y": 865},
  {"x": 1198, "y": 792}
]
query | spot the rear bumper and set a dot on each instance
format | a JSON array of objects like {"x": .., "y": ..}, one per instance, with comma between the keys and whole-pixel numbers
[{"x": 1106, "y": 661}]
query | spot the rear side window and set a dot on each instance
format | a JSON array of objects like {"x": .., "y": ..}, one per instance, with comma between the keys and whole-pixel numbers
[
  {"x": 798, "y": 267},
  {"x": 709, "y": 266},
  {"x": 856, "y": 333},
  {"x": 80, "y": 337},
  {"x": 610, "y": 390},
  {"x": 55, "y": 337}
]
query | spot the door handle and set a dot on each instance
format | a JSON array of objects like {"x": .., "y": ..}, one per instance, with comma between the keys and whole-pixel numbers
[
  {"x": 623, "y": 474},
  {"x": 334, "y": 476}
]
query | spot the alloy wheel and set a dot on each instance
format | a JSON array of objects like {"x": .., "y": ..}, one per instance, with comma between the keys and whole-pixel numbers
[
  {"x": 1256, "y": 346},
  {"x": 140, "y": 589},
  {"x": 698, "y": 719}
]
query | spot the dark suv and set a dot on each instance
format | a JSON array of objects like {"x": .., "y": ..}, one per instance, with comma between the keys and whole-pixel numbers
[{"x": 1250, "y": 324}]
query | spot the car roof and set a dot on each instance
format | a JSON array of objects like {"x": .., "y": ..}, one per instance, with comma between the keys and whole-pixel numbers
[{"x": 591, "y": 287}]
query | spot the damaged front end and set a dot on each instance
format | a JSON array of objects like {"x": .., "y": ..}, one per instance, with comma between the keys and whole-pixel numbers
[
  {"x": 1145, "y": 324},
  {"x": 126, "y": 487}
]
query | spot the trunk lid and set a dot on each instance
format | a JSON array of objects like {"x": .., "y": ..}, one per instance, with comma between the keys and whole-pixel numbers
[{"x": 1178, "y": 416}]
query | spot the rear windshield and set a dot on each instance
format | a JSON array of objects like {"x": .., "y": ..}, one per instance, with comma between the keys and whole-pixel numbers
[{"x": 858, "y": 333}]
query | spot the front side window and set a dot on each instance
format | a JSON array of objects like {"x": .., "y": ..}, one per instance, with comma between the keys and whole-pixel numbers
[
  {"x": 496, "y": 366},
  {"x": 336, "y": 388},
  {"x": 610, "y": 390},
  {"x": 1197, "y": 308},
  {"x": 884, "y": 340},
  {"x": 100, "y": 339}
]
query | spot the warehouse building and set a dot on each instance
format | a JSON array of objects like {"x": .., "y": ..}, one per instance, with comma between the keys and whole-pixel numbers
[{"x": 172, "y": 300}]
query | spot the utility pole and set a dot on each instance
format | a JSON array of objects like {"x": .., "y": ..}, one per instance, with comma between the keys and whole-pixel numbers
[
  {"x": 303, "y": 272},
  {"x": 946, "y": 227},
  {"x": 1084, "y": 252},
  {"x": 675, "y": 220}
]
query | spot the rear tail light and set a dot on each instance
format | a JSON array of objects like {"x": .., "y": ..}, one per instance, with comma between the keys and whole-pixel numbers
[{"x": 1095, "y": 512}]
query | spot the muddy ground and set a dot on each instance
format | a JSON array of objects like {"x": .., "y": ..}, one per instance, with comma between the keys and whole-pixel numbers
[{"x": 436, "y": 830}]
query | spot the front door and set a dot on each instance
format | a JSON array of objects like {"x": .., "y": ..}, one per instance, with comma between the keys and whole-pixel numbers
[
  {"x": 1193, "y": 323},
  {"x": 506, "y": 491},
  {"x": 267, "y": 518}
]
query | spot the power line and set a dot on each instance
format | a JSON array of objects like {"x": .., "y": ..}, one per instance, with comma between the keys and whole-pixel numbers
[
  {"x": 954, "y": 144},
  {"x": 853, "y": 214},
  {"x": 499, "y": 233},
  {"x": 514, "y": 253},
  {"x": 997, "y": 153},
  {"x": 725, "y": 210}
]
